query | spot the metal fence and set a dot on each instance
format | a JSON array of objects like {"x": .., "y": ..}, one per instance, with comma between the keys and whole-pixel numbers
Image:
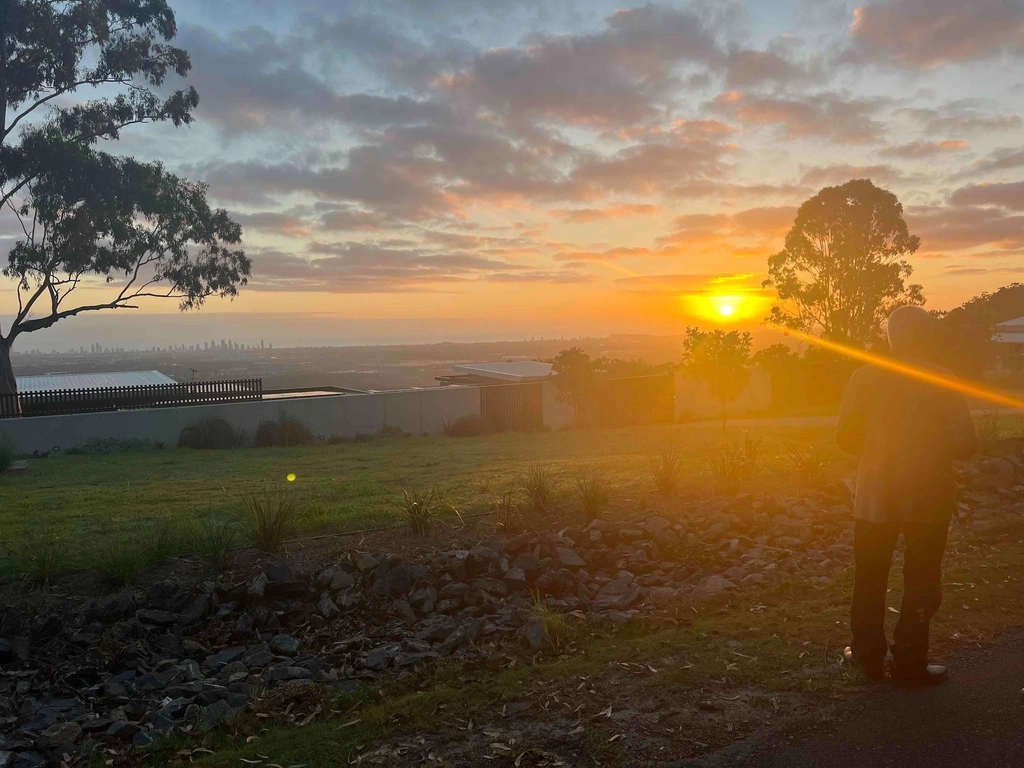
[
  {"x": 629, "y": 401},
  {"x": 513, "y": 407},
  {"x": 66, "y": 401}
]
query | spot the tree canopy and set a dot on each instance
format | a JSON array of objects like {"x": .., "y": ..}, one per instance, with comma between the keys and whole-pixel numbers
[
  {"x": 843, "y": 268},
  {"x": 111, "y": 228},
  {"x": 966, "y": 332},
  {"x": 719, "y": 359}
]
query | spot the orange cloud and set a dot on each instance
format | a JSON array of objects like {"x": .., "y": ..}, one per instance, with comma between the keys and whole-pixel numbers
[{"x": 587, "y": 215}]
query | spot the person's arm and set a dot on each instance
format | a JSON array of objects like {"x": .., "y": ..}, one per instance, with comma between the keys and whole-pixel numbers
[
  {"x": 963, "y": 437},
  {"x": 850, "y": 429}
]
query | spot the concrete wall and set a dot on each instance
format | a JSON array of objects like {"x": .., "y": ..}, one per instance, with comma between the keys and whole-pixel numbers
[
  {"x": 556, "y": 414},
  {"x": 416, "y": 411},
  {"x": 693, "y": 401}
]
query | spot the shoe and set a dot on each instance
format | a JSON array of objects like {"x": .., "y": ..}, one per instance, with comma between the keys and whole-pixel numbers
[
  {"x": 932, "y": 674},
  {"x": 872, "y": 671}
]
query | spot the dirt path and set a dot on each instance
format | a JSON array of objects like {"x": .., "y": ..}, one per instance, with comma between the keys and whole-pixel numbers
[{"x": 976, "y": 719}]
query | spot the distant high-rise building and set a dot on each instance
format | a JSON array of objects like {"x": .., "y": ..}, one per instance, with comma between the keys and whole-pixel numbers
[{"x": 261, "y": 343}]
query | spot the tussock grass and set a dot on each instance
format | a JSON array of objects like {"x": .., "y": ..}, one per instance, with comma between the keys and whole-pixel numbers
[
  {"x": 592, "y": 492},
  {"x": 540, "y": 485},
  {"x": 271, "y": 514},
  {"x": 666, "y": 468}
]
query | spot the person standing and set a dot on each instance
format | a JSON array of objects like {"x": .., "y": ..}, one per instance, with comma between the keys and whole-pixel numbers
[{"x": 906, "y": 434}]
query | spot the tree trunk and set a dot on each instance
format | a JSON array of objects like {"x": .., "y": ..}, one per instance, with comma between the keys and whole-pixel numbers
[{"x": 8, "y": 384}]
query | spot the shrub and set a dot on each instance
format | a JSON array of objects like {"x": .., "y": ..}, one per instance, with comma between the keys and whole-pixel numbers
[
  {"x": 811, "y": 462},
  {"x": 550, "y": 620},
  {"x": 467, "y": 426},
  {"x": 507, "y": 516},
  {"x": 990, "y": 431},
  {"x": 211, "y": 434},
  {"x": 389, "y": 433},
  {"x": 591, "y": 492},
  {"x": 43, "y": 556},
  {"x": 120, "y": 560},
  {"x": 215, "y": 539},
  {"x": 271, "y": 514},
  {"x": 422, "y": 510},
  {"x": 289, "y": 433},
  {"x": 111, "y": 445},
  {"x": 160, "y": 539},
  {"x": 732, "y": 463},
  {"x": 7, "y": 453},
  {"x": 666, "y": 470},
  {"x": 539, "y": 483}
]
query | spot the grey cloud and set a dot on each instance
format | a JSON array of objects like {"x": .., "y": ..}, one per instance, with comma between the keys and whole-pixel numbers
[
  {"x": 1009, "y": 196},
  {"x": 829, "y": 116},
  {"x": 1003, "y": 159},
  {"x": 916, "y": 150},
  {"x": 831, "y": 175},
  {"x": 962, "y": 117}
]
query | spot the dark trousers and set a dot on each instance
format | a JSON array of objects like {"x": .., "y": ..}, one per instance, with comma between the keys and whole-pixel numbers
[{"x": 873, "y": 544}]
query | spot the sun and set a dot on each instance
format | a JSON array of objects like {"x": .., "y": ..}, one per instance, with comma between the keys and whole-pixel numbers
[{"x": 726, "y": 310}]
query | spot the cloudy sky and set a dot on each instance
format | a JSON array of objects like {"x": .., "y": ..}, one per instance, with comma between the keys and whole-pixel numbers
[{"x": 489, "y": 167}]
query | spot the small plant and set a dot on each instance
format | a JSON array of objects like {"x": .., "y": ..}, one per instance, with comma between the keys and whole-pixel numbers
[
  {"x": 733, "y": 463},
  {"x": 289, "y": 433},
  {"x": 507, "y": 516},
  {"x": 389, "y": 433},
  {"x": 666, "y": 470},
  {"x": 112, "y": 445},
  {"x": 120, "y": 561},
  {"x": 271, "y": 514},
  {"x": 467, "y": 426},
  {"x": 160, "y": 539},
  {"x": 422, "y": 510},
  {"x": 552, "y": 621},
  {"x": 210, "y": 434},
  {"x": 538, "y": 481},
  {"x": 811, "y": 462},
  {"x": 215, "y": 539},
  {"x": 591, "y": 492},
  {"x": 43, "y": 556},
  {"x": 990, "y": 431},
  {"x": 7, "y": 453}
]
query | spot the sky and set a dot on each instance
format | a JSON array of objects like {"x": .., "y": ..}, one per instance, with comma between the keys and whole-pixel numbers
[{"x": 493, "y": 169}]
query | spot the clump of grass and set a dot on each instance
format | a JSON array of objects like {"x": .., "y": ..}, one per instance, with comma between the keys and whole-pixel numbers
[
  {"x": 507, "y": 516},
  {"x": 160, "y": 539},
  {"x": 7, "y": 453},
  {"x": 811, "y": 462},
  {"x": 592, "y": 492},
  {"x": 423, "y": 510},
  {"x": 733, "y": 463},
  {"x": 540, "y": 485},
  {"x": 120, "y": 561},
  {"x": 43, "y": 556},
  {"x": 286, "y": 434},
  {"x": 990, "y": 431},
  {"x": 211, "y": 434},
  {"x": 387, "y": 432},
  {"x": 215, "y": 540},
  {"x": 467, "y": 426},
  {"x": 666, "y": 470},
  {"x": 271, "y": 514},
  {"x": 552, "y": 621}
]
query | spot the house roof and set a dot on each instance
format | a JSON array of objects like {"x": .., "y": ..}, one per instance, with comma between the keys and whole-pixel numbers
[
  {"x": 55, "y": 381},
  {"x": 527, "y": 370}
]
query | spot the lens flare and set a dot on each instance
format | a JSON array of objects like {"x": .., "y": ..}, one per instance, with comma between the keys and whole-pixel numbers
[
  {"x": 927, "y": 375},
  {"x": 291, "y": 477}
]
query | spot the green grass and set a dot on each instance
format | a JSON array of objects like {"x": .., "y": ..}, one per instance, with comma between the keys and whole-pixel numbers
[{"x": 95, "y": 498}]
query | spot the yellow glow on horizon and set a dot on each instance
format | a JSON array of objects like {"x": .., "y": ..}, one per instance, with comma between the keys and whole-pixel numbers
[
  {"x": 725, "y": 309},
  {"x": 927, "y": 375}
]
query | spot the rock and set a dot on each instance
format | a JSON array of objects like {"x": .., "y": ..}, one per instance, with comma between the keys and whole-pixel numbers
[
  {"x": 143, "y": 739},
  {"x": 664, "y": 594},
  {"x": 326, "y": 607},
  {"x": 380, "y": 659},
  {"x": 152, "y": 616},
  {"x": 278, "y": 573},
  {"x": 712, "y": 585},
  {"x": 367, "y": 563},
  {"x": 569, "y": 559},
  {"x": 30, "y": 760},
  {"x": 455, "y": 590},
  {"x": 258, "y": 586},
  {"x": 6, "y": 759},
  {"x": 490, "y": 587},
  {"x": 279, "y": 674},
  {"x": 515, "y": 578},
  {"x": 618, "y": 617},
  {"x": 121, "y": 731},
  {"x": 535, "y": 634},
  {"x": 403, "y": 609},
  {"x": 225, "y": 657},
  {"x": 396, "y": 582},
  {"x": 284, "y": 645},
  {"x": 466, "y": 633},
  {"x": 341, "y": 580},
  {"x": 60, "y": 737},
  {"x": 556, "y": 583},
  {"x": 618, "y": 595},
  {"x": 196, "y": 610},
  {"x": 258, "y": 656},
  {"x": 214, "y": 715}
]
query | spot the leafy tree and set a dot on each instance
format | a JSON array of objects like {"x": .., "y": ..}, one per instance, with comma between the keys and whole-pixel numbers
[
  {"x": 775, "y": 357},
  {"x": 966, "y": 332},
  {"x": 843, "y": 268},
  {"x": 574, "y": 376},
  {"x": 109, "y": 229},
  {"x": 720, "y": 360}
]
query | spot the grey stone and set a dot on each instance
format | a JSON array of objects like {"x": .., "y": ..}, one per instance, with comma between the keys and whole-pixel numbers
[
  {"x": 403, "y": 609},
  {"x": 617, "y": 595},
  {"x": 341, "y": 580},
  {"x": 396, "y": 582},
  {"x": 121, "y": 730},
  {"x": 258, "y": 656},
  {"x": 278, "y": 573},
  {"x": 258, "y": 586},
  {"x": 535, "y": 634},
  {"x": 197, "y": 609},
  {"x": 30, "y": 760},
  {"x": 279, "y": 674},
  {"x": 367, "y": 563},
  {"x": 568, "y": 558},
  {"x": 225, "y": 657},
  {"x": 380, "y": 659},
  {"x": 284, "y": 645},
  {"x": 326, "y": 607},
  {"x": 215, "y": 714},
  {"x": 60, "y": 737},
  {"x": 712, "y": 585},
  {"x": 143, "y": 739},
  {"x": 150, "y": 616}
]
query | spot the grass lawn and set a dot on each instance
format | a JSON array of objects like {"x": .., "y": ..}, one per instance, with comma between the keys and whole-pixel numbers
[{"x": 95, "y": 500}]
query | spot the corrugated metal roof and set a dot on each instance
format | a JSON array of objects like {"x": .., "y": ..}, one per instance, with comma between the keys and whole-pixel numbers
[{"x": 90, "y": 380}]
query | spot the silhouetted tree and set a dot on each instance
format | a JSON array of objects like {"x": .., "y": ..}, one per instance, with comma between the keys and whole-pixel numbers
[
  {"x": 88, "y": 219},
  {"x": 720, "y": 360},
  {"x": 574, "y": 376},
  {"x": 843, "y": 268},
  {"x": 966, "y": 333}
]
